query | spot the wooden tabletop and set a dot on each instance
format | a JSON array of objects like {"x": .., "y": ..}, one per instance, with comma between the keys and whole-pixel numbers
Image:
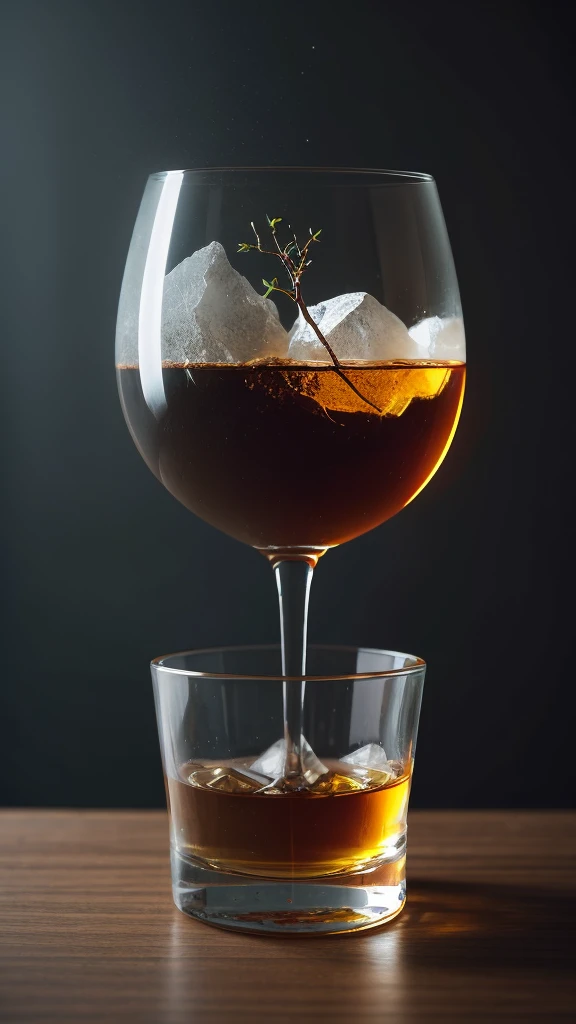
[{"x": 88, "y": 931}]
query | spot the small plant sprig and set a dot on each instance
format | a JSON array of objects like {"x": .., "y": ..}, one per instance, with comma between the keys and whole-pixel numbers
[{"x": 295, "y": 260}]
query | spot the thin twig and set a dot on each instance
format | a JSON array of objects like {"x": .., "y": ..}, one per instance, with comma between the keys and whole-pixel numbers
[
  {"x": 309, "y": 320},
  {"x": 295, "y": 272}
]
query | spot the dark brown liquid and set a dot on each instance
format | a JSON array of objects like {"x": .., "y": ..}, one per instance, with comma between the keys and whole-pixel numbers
[
  {"x": 289, "y": 456},
  {"x": 293, "y": 835}
]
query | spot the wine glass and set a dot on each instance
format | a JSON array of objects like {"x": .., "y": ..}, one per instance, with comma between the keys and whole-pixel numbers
[{"x": 291, "y": 362}]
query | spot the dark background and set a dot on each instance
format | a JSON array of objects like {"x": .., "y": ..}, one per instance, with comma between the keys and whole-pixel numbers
[{"x": 102, "y": 568}]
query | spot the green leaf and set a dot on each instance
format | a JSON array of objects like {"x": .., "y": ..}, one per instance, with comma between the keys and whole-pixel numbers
[
  {"x": 274, "y": 221},
  {"x": 243, "y": 247},
  {"x": 270, "y": 286},
  {"x": 315, "y": 235}
]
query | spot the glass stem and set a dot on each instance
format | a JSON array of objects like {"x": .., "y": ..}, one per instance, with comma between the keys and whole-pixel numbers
[{"x": 293, "y": 579}]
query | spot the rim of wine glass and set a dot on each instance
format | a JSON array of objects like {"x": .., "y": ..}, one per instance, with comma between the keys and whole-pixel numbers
[
  {"x": 397, "y": 177},
  {"x": 418, "y": 665}
]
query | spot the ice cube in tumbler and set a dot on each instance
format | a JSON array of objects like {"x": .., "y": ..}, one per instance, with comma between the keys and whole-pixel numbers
[
  {"x": 228, "y": 780},
  {"x": 371, "y": 755},
  {"x": 273, "y": 762}
]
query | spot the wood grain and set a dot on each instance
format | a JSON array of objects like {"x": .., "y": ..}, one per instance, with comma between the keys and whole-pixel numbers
[{"x": 88, "y": 932}]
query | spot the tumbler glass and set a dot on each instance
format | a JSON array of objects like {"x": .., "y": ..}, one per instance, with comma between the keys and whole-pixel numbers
[{"x": 248, "y": 852}]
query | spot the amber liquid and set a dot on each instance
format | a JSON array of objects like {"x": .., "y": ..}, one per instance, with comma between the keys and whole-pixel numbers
[
  {"x": 292, "y": 835},
  {"x": 285, "y": 456}
]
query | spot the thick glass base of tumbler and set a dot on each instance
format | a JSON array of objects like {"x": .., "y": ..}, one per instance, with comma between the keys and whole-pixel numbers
[{"x": 316, "y": 906}]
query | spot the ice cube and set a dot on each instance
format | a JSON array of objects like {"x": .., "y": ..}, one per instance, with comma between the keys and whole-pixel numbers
[
  {"x": 356, "y": 326},
  {"x": 372, "y": 755},
  {"x": 211, "y": 314},
  {"x": 440, "y": 338},
  {"x": 273, "y": 762},
  {"x": 337, "y": 782},
  {"x": 351, "y": 778},
  {"x": 228, "y": 780},
  {"x": 371, "y": 760}
]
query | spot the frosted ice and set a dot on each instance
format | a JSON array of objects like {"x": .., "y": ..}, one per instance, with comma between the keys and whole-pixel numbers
[
  {"x": 372, "y": 755},
  {"x": 272, "y": 762},
  {"x": 211, "y": 314},
  {"x": 440, "y": 338},
  {"x": 356, "y": 326}
]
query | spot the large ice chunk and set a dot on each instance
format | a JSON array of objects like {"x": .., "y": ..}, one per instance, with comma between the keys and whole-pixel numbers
[
  {"x": 211, "y": 314},
  {"x": 440, "y": 338},
  {"x": 356, "y": 326}
]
